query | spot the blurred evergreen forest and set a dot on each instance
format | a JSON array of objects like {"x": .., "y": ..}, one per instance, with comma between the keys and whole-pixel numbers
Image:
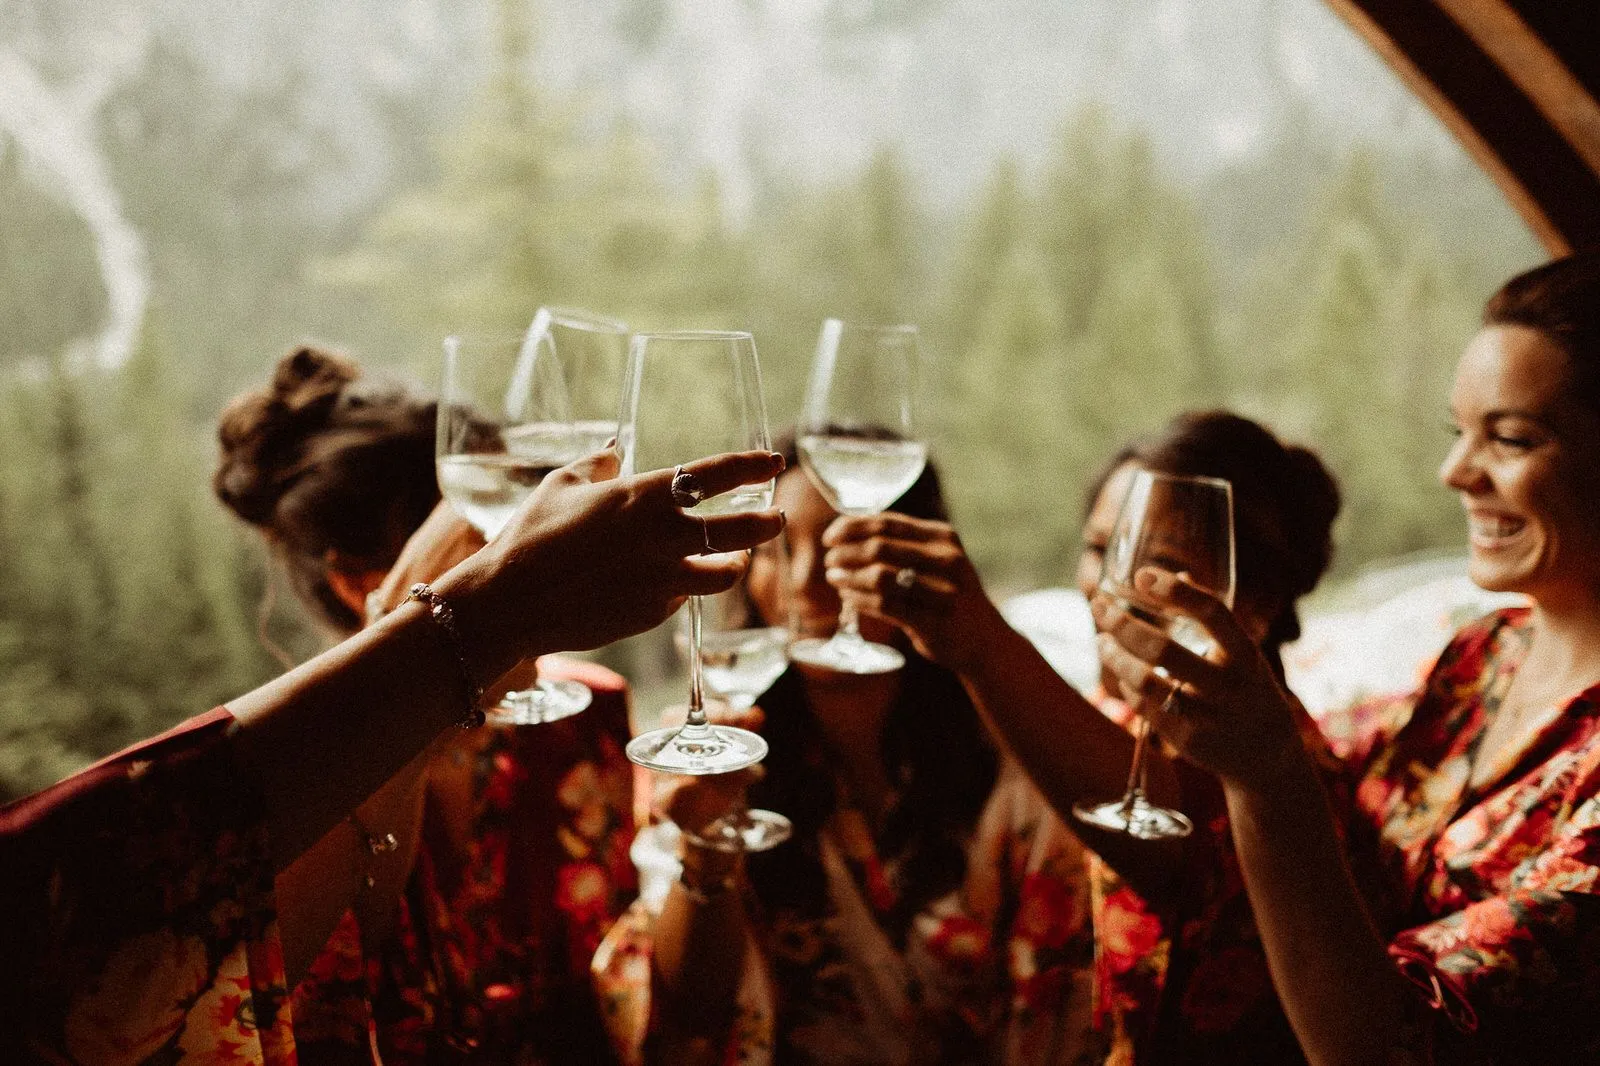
[{"x": 1066, "y": 307}]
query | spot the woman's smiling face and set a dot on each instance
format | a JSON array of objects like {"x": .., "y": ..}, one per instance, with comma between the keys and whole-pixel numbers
[{"x": 1526, "y": 463}]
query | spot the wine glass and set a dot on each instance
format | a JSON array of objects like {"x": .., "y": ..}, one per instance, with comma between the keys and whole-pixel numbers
[
  {"x": 741, "y": 655},
  {"x": 690, "y": 395},
  {"x": 507, "y": 417},
  {"x": 1182, "y": 524},
  {"x": 592, "y": 351},
  {"x": 860, "y": 447}
]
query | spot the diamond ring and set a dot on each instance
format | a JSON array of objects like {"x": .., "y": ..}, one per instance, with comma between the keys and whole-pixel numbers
[{"x": 686, "y": 488}]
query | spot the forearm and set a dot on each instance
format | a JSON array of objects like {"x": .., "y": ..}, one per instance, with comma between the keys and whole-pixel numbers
[
  {"x": 325, "y": 736},
  {"x": 1328, "y": 963},
  {"x": 1070, "y": 751},
  {"x": 700, "y": 945}
]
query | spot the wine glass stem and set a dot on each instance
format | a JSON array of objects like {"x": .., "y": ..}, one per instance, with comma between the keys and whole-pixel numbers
[
  {"x": 1141, "y": 746},
  {"x": 697, "y": 700},
  {"x": 849, "y": 624}
]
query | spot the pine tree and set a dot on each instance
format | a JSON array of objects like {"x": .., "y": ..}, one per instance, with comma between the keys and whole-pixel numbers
[{"x": 536, "y": 201}]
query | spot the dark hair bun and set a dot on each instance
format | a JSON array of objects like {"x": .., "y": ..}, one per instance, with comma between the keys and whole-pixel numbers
[
  {"x": 1284, "y": 499},
  {"x": 1309, "y": 522},
  {"x": 262, "y": 433},
  {"x": 334, "y": 466}
]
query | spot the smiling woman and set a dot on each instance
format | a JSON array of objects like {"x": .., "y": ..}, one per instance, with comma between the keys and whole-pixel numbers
[
  {"x": 1483, "y": 812},
  {"x": 1527, "y": 409}
]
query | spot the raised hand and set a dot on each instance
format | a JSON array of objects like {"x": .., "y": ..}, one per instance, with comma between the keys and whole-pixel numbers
[
  {"x": 590, "y": 558},
  {"x": 1227, "y": 713},
  {"x": 915, "y": 573}
]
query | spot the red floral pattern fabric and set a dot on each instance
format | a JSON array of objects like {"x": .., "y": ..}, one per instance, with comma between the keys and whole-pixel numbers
[
  {"x": 138, "y": 914},
  {"x": 1494, "y": 888},
  {"x": 1027, "y": 890},
  {"x": 830, "y": 985},
  {"x": 523, "y": 866},
  {"x": 1185, "y": 983}
]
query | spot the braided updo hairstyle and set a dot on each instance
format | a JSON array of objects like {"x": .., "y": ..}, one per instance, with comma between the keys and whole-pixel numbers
[
  {"x": 335, "y": 470},
  {"x": 1284, "y": 505}
]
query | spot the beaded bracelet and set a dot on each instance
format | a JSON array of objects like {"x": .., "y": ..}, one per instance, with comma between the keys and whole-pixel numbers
[{"x": 439, "y": 610}]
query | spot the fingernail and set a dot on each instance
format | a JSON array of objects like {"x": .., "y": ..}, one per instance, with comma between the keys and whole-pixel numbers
[
  {"x": 1150, "y": 579},
  {"x": 1104, "y": 643},
  {"x": 835, "y": 574}
]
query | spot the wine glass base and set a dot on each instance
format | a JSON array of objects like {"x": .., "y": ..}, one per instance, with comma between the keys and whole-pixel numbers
[
  {"x": 549, "y": 700},
  {"x": 854, "y": 657},
  {"x": 722, "y": 750},
  {"x": 753, "y": 830},
  {"x": 1137, "y": 817}
]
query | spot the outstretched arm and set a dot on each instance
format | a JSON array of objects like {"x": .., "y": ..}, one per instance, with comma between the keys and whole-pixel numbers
[
  {"x": 1070, "y": 751},
  {"x": 588, "y": 559},
  {"x": 1331, "y": 969},
  {"x": 701, "y": 937}
]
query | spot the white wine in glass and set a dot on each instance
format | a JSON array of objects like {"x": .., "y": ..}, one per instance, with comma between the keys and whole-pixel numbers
[
  {"x": 858, "y": 475},
  {"x": 860, "y": 444},
  {"x": 1182, "y": 524},
  {"x": 506, "y": 420},
  {"x": 486, "y": 488},
  {"x": 690, "y": 395}
]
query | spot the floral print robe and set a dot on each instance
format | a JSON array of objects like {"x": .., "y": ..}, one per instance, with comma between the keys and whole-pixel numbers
[
  {"x": 828, "y": 983},
  {"x": 1184, "y": 983},
  {"x": 523, "y": 866},
  {"x": 1494, "y": 889},
  {"x": 137, "y": 899}
]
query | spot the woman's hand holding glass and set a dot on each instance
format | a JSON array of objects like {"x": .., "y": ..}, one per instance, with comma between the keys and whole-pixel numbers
[
  {"x": 914, "y": 573},
  {"x": 1186, "y": 522},
  {"x": 1224, "y": 711},
  {"x": 591, "y": 558},
  {"x": 689, "y": 394}
]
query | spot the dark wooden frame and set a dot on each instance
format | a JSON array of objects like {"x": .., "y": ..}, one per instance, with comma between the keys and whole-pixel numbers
[{"x": 1515, "y": 81}]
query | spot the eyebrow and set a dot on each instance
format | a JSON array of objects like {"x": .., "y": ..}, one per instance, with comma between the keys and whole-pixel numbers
[{"x": 1507, "y": 412}]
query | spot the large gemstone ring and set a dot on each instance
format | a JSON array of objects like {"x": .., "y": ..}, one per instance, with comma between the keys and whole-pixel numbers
[{"x": 686, "y": 489}]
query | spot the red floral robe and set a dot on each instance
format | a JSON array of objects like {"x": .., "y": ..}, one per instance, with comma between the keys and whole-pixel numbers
[
  {"x": 1488, "y": 897},
  {"x": 136, "y": 913},
  {"x": 1494, "y": 890},
  {"x": 522, "y": 868},
  {"x": 1186, "y": 983}
]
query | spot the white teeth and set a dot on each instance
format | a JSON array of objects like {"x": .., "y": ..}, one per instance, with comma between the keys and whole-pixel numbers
[{"x": 1491, "y": 527}]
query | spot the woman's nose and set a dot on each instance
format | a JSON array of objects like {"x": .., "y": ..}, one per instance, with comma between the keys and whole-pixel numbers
[{"x": 1460, "y": 469}]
